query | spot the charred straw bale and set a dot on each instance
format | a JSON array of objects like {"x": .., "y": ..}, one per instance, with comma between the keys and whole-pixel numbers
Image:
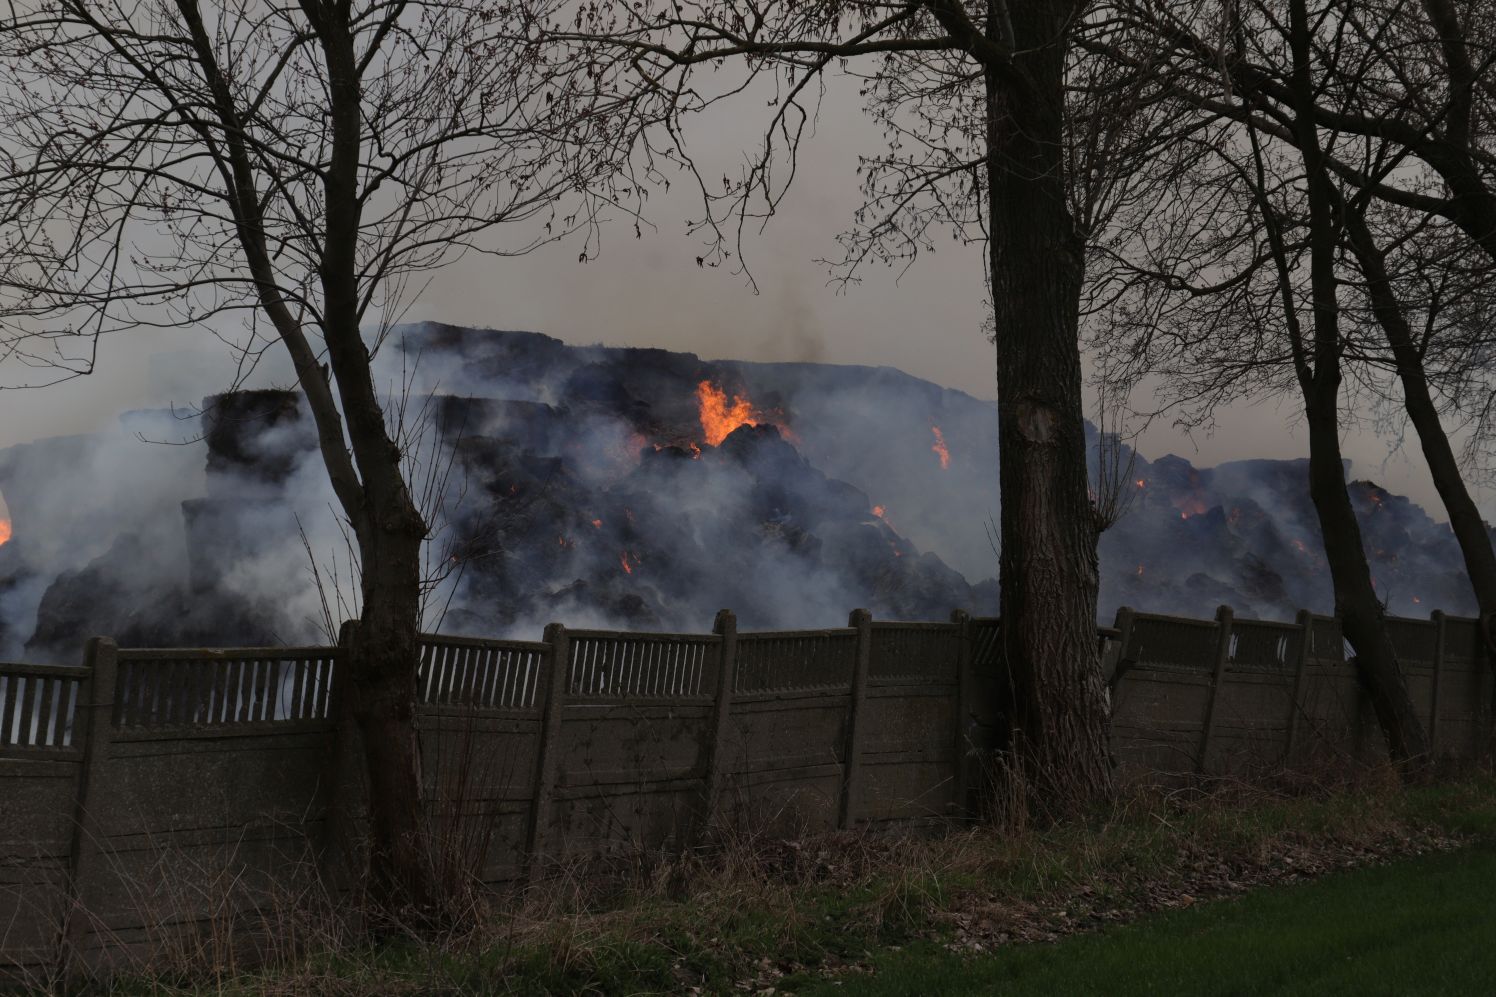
[{"x": 256, "y": 435}]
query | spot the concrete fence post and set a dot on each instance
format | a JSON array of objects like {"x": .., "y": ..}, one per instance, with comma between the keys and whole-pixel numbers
[
  {"x": 94, "y": 727},
  {"x": 1122, "y": 623},
  {"x": 964, "y": 747},
  {"x": 1305, "y": 622},
  {"x": 726, "y": 627},
  {"x": 1224, "y": 617},
  {"x": 1436, "y": 695},
  {"x": 547, "y": 755},
  {"x": 1487, "y": 669},
  {"x": 344, "y": 771},
  {"x": 862, "y": 621}
]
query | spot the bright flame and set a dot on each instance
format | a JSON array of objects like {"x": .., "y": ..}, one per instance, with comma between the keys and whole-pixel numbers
[
  {"x": 940, "y": 448},
  {"x": 878, "y": 511},
  {"x": 1141, "y": 483},
  {"x": 623, "y": 559},
  {"x": 597, "y": 524},
  {"x": 719, "y": 417},
  {"x": 4, "y": 532}
]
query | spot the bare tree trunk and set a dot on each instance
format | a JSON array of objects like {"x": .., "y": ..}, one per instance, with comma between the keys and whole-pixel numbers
[
  {"x": 1356, "y": 603},
  {"x": 1355, "y": 597},
  {"x": 1048, "y": 566},
  {"x": 383, "y": 689},
  {"x": 389, "y": 528},
  {"x": 1464, "y": 516}
]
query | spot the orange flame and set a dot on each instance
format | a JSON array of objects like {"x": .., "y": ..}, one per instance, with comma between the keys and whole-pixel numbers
[
  {"x": 1142, "y": 484},
  {"x": 719, "y": 417},
  {"x": 4, "y": 532},
  {"x": 597, "y": 524},
  {"x": 623, "y": 559},
  {"x": 940, "y": 448},
  {"x": 878, "y": 511}
]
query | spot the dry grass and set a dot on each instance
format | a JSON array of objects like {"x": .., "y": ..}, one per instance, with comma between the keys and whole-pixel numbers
[{"x": 754, "y": 906}]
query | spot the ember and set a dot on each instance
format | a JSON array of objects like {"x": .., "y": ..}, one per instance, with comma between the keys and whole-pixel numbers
[
  {"x": 940, "y": 448},
  {"x": 1192, "y": 506},
  {"x": 4, "y": 532}
]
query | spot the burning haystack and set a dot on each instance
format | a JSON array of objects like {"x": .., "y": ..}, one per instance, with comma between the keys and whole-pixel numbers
[{"x": 632, "y": 488}]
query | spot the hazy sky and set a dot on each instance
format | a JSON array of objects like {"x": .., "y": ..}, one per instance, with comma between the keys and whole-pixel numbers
[{"x": 650, "y": 292}]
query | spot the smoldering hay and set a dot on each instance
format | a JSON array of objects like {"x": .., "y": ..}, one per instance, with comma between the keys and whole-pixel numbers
[{"x": 631, "y": 488}]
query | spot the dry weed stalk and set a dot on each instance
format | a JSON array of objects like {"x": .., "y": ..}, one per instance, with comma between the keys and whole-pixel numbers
[{"x": 1156, "y": 842}]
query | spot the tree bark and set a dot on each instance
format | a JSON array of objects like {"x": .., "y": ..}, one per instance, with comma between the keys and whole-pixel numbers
[
  {"x": 1048, "y": 565},
  {"x": 383, "y": 658},
  {"x": 1356, "y": 603},
  {"x": 381, "y": 662},
  {"x": 1464, "y": 517}
]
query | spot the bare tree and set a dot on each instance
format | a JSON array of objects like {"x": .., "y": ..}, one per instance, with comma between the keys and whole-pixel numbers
[
  {"x": 972, "y": 96},
  {"x": 1409, "y": 88},
  {"x": 298, "y": 165},
  {"x": 1230, "y": 280}
]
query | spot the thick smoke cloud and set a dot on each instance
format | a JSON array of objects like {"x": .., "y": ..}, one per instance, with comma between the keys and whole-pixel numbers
[{"x": 577, "y": 483}]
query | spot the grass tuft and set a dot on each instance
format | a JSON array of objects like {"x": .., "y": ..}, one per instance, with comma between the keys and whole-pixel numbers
[{"x": 757, "y": 912}]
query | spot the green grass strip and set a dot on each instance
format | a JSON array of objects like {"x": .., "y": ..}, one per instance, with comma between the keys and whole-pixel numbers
[{"x": 1418, "y": 926}]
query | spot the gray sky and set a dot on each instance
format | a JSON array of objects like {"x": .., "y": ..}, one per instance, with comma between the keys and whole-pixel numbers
[{"x": 649, "y": 292}]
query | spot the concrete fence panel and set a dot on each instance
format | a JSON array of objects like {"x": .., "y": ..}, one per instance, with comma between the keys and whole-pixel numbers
[{"x": 149, "y": 794}]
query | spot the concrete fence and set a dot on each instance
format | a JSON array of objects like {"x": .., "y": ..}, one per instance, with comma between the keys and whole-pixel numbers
[{"x": 149, "y": 794}]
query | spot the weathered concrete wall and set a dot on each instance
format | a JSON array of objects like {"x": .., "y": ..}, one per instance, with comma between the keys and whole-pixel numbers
[{"x": 148, "y": 791}]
